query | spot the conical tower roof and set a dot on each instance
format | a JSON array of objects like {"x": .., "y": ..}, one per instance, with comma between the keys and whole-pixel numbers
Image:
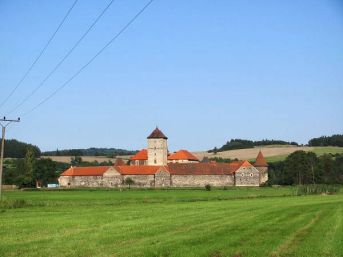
[
  {"x": 157, "y": 134},
  {"x": 260, "y": 161}
]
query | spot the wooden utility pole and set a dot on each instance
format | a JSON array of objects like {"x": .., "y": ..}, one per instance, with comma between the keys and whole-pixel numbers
[{"x": 4, "y": 123}]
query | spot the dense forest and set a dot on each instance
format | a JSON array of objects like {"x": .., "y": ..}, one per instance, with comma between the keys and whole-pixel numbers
[
  {"x": 109, "y": 152},
  {"x": 17, "y": 149},
  {"x": 334, "y": 140},
  {"x": 243, "y": 144}
]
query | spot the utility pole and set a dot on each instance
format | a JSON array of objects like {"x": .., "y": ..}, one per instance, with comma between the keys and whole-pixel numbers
[{"x": 4, "y": 123}]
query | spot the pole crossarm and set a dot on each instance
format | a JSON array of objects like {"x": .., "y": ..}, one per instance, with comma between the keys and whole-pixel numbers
[{"x": 9, "y": 121}]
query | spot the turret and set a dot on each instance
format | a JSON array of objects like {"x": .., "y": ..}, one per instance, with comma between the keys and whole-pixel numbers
[
  {"x": 262, "y": 166},
  {"x": 157, "y": 148}
]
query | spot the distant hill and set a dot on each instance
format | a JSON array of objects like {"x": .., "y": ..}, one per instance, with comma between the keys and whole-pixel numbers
[
  {"x": 334, "y": 140},
  {"x": 17, "y": 149},
  {"x": 244, "y": 144},
  {"x": 109, "y": 152},
  {"x": 271, "y": 152}
]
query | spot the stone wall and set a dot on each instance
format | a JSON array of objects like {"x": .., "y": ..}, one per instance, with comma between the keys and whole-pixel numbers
[
  {"x": 162, "y": 179},
  {"x": 247, "y": 176},
  {"x": 263, "y": 174},
  {"x": 142, "y": 180},
  {"x": 90, "y": 181},
  {"x": 201, "y": 180}
]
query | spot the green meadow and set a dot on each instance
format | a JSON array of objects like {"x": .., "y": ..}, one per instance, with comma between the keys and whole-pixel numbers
[{"x": 240, "y": 222}]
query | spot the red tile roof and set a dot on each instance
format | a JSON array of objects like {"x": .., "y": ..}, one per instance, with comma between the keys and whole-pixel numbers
[
  {"x": 182, "y": 155},
  {"x": 119, "y": 162},
  {"x": 260, "y": 161},
  {"x": 139, "y": 169},
  {"x": 172, "y": 168},
  {"x": 86, "y": 171},
  {"x": 201, "y": 168},
  {"x": 157, "y": 134},
  {"x": 141, "y": 155}
]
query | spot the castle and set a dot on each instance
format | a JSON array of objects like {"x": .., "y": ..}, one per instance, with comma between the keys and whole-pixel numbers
[{"x": 155, "y": 167}]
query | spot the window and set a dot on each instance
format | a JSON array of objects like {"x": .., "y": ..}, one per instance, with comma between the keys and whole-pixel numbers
[
  {"x": 155, "y": 161},
  {"x": 251, "y": 174},
  {"x": 242, "y": 174}
]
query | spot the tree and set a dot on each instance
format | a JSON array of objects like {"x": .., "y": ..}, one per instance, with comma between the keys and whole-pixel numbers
[
  {"x": 298, "y": 167},
  {"x": 45, "y": 171},
  {"x": 76, "y": 161},
  {"x": 129, "y": 181}
]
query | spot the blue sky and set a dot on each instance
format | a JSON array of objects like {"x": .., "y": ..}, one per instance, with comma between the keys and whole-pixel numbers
[{"x": 203, "y": 71}]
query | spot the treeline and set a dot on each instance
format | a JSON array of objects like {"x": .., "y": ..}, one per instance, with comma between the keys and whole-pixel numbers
[
  {"x": 17, "y": 149},
  {"x": 243, "y": 144},
  {"x": 302, "y": 167},
  {"x": 334, "y": 140},
  {"x": 109, "y": 152},
  {"x": 29, "y": 171},
  {"x": 78, "y": 162}
]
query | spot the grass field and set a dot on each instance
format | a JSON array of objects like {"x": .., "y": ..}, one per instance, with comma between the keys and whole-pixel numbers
[{"x": 234, "y": 222}]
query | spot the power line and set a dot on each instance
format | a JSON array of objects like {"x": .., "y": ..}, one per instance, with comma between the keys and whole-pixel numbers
[
  {"x": 91, "y": 60},
  {"x": 63, "y": 59},
  {"x": 39, "y": 55}
]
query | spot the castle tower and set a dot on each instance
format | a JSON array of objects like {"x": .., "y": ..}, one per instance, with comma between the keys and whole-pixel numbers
[
  {"x": 262, "y": 166},
  {"x": 157, "y": 148}
]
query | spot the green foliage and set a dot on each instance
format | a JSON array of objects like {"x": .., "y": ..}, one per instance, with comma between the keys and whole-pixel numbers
[
  {"x": 17, "y": 149},
  {"x": 222, "y": 160},
  {"x": 306, "y": 168},
  {"x": 208, "y": 187},
  {"x": 243, "y": 144},
  {"x": 25, "y": 172},
  {"x": 317, "y": 189},
  {"x": 129, "y": 181},
  {"x": 110, "y": 152},
  {"x": 75, "y": 161},
  {"x": 334, "y": 140}
]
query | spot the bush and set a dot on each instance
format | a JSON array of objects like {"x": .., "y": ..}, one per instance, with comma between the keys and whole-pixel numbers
[
  {"x": 317, "y": 189},
  {"x": 208, "y": 187}
]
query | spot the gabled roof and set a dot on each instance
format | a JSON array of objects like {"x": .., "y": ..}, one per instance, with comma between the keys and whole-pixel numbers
[
  {"x": 141, "y": 155},
  {"x": 86, "y": 171},
  {"x": 139, "y": 169},
  {"x": 182, "y": 155},
  {"x": 157, "y": 134},
  {"x": 260, "y": 161},
  {"x": 119, "y": 162}
]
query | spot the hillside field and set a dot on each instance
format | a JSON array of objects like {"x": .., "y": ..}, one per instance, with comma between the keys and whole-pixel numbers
[
  {"x": 240, "y": 222},
  {"x": 272, "y": 153}
]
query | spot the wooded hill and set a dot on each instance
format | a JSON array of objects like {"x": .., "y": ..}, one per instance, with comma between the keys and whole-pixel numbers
[
  {"x": 17, "y": 149},
  {"x": 109, "y": 152},
  {"x": 334, "y": 140}
]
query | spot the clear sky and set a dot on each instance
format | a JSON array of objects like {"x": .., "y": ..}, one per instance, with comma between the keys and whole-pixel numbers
[{"x": 203, "y": 71}]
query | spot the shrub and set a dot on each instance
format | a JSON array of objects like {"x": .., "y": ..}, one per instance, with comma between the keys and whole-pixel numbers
[
  {"x": 208, "y": 187},
  {"x": 129, "y": 181},
  {"x": 317, "y": 189}
]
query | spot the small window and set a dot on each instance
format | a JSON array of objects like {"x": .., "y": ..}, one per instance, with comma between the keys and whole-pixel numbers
[
  {"x": 242, "y": 174},
  {"x": 155, "y": 161},
  {"x": 250, "y": 174}
]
